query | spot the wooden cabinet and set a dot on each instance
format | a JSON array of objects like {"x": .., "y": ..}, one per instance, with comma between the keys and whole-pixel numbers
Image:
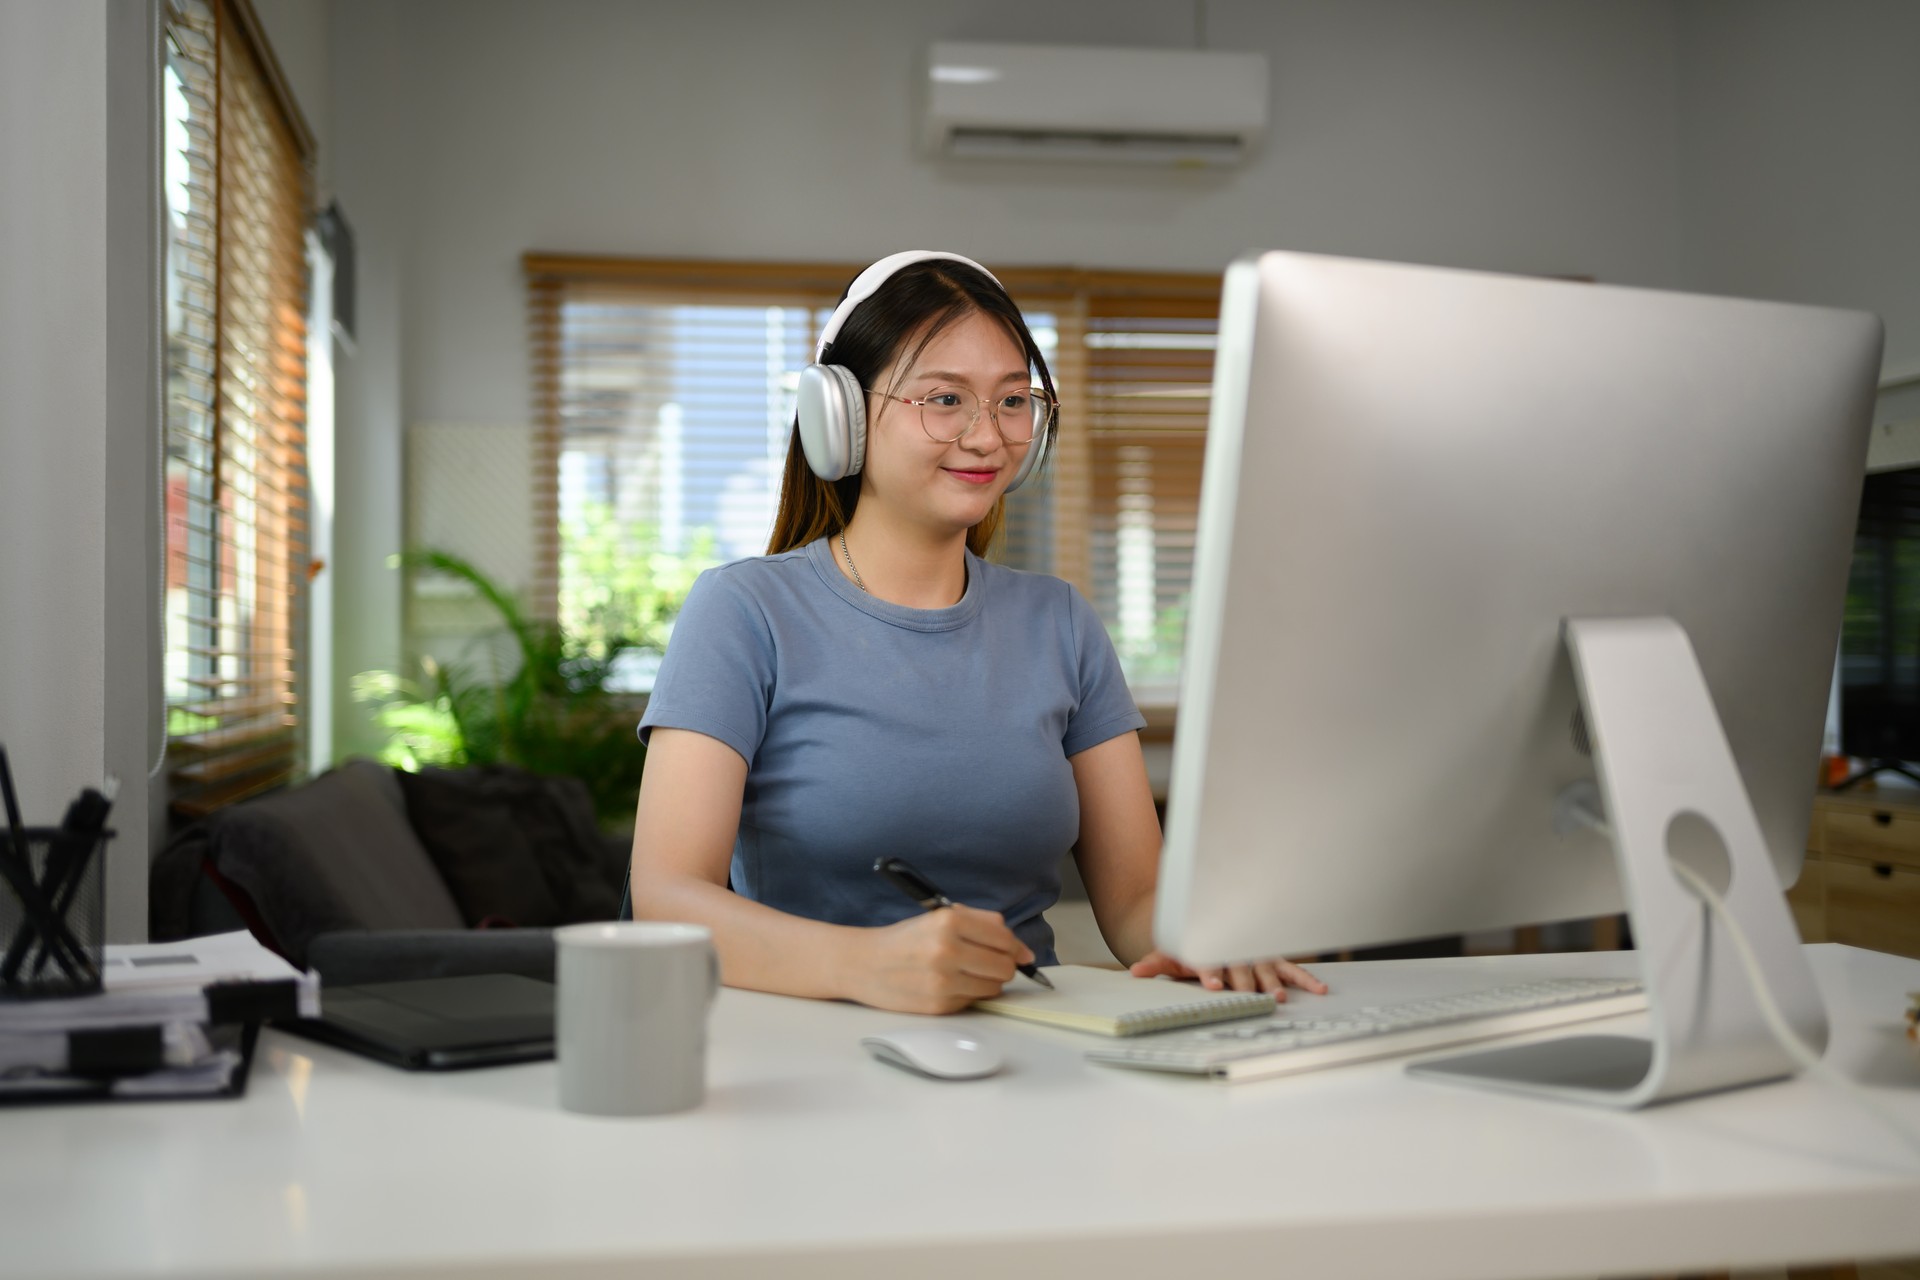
[{"x": 1861, "y": 882}]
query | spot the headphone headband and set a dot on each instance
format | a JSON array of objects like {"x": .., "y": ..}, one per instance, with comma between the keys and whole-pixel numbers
[{"x": 873, "y": 277}]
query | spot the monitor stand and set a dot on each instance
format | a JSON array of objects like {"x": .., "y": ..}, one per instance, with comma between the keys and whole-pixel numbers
[{"x": 1669, "y": 784}]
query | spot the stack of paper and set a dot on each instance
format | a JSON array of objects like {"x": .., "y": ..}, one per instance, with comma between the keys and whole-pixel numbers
[{"x": 174, "y": 1020}]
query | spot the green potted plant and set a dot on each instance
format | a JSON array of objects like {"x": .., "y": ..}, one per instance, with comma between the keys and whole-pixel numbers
[{"x": 552, "y": 706}]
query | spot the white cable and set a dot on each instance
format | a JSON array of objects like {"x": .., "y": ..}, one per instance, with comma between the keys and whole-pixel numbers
[{"x": 1795, "y": 1047}]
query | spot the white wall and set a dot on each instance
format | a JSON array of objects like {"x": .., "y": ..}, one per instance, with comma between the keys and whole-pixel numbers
[
  {"x": 52, "y": 348},
  {"x": 367, "y": 71},
  {"x": 1509, "y": 134},
  {"x": 78, "y": 419},
  {"x": 1800, "y": 129}
]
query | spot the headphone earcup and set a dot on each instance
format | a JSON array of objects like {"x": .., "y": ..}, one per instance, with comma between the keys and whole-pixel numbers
[
  {"x": 1035, "y": 459},
  {"x": 833, "y": 421}
]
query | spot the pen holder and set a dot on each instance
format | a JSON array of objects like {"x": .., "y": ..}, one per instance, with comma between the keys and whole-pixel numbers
[{"x": 52, "y": 912}]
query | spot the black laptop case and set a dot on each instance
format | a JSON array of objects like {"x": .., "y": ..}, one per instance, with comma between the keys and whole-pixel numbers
[{"x": 438, "y": 1024}]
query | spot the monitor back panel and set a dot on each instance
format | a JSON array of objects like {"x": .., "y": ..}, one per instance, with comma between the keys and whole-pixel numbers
[{"x": 1412, "y": 475}]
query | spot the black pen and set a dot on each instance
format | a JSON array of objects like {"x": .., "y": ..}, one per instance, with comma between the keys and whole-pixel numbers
[
  {"x": 80, "y": 832},
  {"x": 901, "y": 875}
]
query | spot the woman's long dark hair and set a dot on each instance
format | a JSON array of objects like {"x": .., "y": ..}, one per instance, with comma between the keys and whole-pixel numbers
[{"x": 924, "y": 299}]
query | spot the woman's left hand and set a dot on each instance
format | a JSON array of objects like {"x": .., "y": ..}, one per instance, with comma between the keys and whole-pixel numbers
[{"x": 1255, "y": 975}]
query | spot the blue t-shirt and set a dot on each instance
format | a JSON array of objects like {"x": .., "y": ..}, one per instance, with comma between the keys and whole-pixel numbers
[{"x": 869, "y": 729}]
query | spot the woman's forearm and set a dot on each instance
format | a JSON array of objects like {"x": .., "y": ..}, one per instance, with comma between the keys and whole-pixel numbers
[
  {"x": 760, "y": 948},
  {"x": 1130, "y": 934}
]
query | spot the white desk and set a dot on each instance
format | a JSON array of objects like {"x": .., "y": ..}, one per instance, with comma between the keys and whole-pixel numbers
[{"x": 809, "y": 1158}]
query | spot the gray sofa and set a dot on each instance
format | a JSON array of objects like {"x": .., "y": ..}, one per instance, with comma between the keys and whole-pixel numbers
[{"x": 367, "y": 874}]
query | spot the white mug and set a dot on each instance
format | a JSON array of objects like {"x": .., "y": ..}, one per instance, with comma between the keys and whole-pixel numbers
[{"x": 630, "y": 1017}]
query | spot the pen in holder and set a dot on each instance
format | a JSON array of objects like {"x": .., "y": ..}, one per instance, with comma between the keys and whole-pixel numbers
[
  {"x": 52, "y": 897},
  {"x": 52, "y": 911}
]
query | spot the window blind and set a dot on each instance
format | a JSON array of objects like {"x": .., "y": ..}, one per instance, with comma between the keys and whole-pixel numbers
[
  {"x": 1149, "y": 369},
  {"x": 663, "y": 401},
  {"x": 664, "y": 398},
  {"x": 236, "y": 194}
]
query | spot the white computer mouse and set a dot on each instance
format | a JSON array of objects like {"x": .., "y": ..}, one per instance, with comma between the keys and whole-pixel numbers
[{"x": 940, "y": 1052}]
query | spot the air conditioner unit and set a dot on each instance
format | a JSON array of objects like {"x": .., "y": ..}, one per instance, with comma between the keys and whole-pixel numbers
[{"x": 1077, "y": 103}]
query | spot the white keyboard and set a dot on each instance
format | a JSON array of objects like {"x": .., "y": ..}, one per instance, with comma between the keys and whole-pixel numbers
[{"x": 1255, "y": 1048}]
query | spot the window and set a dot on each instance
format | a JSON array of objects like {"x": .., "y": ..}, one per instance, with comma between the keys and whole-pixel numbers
[
  {"x": 1149, "y": 371},
  {"x": 236, "y": 194},
  {"x": 664, "y": 397}
]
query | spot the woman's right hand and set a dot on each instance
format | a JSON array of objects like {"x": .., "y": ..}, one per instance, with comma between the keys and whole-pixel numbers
[{"x": 939, "y": 962}]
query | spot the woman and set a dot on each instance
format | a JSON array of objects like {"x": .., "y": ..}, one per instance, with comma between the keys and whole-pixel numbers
[{"x": 872, "y": 687}]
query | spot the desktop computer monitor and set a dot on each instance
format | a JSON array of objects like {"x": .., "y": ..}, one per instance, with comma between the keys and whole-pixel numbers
[{"x": 1414, "y": 477}]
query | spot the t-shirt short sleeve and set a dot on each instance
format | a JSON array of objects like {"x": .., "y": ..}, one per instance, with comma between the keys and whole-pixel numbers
[
  {"x": 1106, "y": 708},
  {"x": 717, "y": 675}
]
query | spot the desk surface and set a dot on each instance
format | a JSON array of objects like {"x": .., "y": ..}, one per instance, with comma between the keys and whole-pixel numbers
[{"x": 810, "y": 1158}]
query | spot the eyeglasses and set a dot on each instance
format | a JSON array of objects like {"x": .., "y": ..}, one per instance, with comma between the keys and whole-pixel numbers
[{"x": 948, "y": 413}]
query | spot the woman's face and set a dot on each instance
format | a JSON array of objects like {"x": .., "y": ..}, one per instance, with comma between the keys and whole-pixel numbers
[{"x": 944, "y": 487}]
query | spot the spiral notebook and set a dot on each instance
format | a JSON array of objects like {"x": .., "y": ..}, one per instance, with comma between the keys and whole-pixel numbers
[{"x": 1112, "y": 1002}]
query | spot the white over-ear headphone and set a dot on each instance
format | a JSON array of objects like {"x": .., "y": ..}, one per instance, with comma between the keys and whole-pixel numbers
[{"x": 833, "y": 405}]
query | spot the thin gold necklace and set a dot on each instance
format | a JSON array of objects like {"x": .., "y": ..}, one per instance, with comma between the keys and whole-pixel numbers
[{"x": 851, "y": 567}]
